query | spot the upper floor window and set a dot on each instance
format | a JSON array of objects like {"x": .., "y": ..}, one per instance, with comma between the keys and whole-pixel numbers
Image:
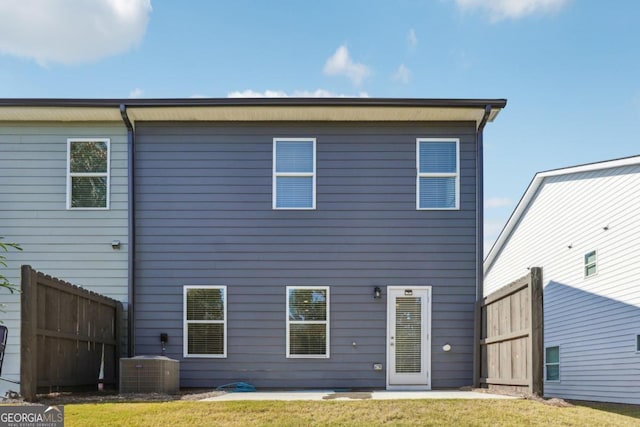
[
  {"x": 205, "y": 321},
  {"x": 590, "y": 264},
  {"x": 88, "y": 165},
  {"x": 438, "y": 177},
  {"x": 294, "y": 173}
]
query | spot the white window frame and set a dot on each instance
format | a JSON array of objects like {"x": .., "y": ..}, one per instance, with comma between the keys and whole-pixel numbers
[
  {"x": 276, "y": 175},
  {"x": 455, "y": 175},
  {"x": 546, "y": 363},
  {"x": 185, "y": 331},
  {"x": 317, "y": 322},
  {"x": 71, "y": 175},
  {"x": 593, "y": 263}
]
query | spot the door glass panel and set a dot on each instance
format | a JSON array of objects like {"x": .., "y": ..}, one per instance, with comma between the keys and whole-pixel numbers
[{"x": 408, "y": 342}]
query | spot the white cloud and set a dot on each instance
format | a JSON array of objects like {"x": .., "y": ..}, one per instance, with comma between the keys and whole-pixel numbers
[
  {"x": 248, "y": 93},
  {"x": 71, "y": 31},
  {"x": 412, "y": 38},
  {"x": 497, "y": 202},
  {"x": 402, "y": 74},
  {"x": 318, "y": 93},
  {"x": 340, "y": 63},
  {"x": 492, "y": 229},
  {"x": 136, "y": 93},
  {"x": 512, "y": 9}
]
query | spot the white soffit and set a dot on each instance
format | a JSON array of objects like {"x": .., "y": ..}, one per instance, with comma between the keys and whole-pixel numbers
[
  {"x": 244, "y": 113},
  {"x": 59, "y": 114},
  {"x": 307, "y": 113}
]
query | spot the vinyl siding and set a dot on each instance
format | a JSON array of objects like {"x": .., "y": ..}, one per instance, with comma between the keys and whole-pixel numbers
[
  {"x": 74, "y": 245},
  {"x": 594, "y": 320},
  {"x": 205, "y": 217}
]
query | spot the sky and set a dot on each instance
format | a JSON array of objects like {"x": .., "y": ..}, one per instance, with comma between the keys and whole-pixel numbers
[{"x": 570, "y": 69}]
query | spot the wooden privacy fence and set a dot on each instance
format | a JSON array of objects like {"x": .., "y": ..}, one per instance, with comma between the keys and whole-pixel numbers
[
  {"x": 511, "y": 341},
  {"x": 64, "y": 330}
]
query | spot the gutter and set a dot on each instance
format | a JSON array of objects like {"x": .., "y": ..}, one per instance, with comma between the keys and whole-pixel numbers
[
  {"x": 131, "y": 253},
  {"x": 479, "y": 244},
  {"x": 237, "y": 102},
  {"x": 480, "y": 201}
]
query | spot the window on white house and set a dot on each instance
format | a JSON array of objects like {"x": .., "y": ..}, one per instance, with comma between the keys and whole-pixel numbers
[
  {"x": 88, "y": 164},
  {"x": 205, "y": 324},
  {"x": 552, "y": 363},
  {"x": 294, "y": 173},
  {"x": 308, "y": 321},
  {"x": 438, "y": 177},
  {"x": 638, "y": 343},
  {"x": 590, "y": 264}
]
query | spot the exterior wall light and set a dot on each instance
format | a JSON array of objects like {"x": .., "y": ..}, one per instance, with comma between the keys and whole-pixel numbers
[
  {"x": 446, "y": 347},
  {"x": 377, "y": 292},
  {"x": 115, "y": 244},
  {"x": 164, "y": 338}
]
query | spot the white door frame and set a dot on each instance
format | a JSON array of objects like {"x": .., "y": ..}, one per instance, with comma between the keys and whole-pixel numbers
[{"x": 392, "y": 293}]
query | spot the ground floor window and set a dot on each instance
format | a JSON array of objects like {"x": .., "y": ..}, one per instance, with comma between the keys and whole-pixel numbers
[
  {"x": 308, "y": 321},
  {"x": 552, "y": 363},
  {"x": 205, "y": 321}
]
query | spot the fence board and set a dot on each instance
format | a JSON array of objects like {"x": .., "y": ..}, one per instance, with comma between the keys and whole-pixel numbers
[
  {"x": 63, "y": 331},
  {"x": 511, "y": 341}
]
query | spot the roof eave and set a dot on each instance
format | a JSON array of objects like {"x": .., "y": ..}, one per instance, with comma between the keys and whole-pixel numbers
[
  {"x": 182, "y": 102},
  {"x": 250, "y": 109}
]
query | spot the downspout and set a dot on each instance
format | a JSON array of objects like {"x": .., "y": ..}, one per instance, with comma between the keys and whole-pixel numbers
[
  {"x": 132, "y": 230},
  {"x": 479, "y": 245}
]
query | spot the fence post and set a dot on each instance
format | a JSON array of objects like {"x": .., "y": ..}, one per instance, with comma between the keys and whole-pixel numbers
[
  {"x": 479, "y": 335},
  {"x": 537, "y": 332},
  {"x": 28, "y": 338},
  {"x": 118, "y": 337}
]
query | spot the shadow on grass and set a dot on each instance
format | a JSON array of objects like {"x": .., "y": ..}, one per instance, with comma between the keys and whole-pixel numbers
[{"x": 616, "y": 408}]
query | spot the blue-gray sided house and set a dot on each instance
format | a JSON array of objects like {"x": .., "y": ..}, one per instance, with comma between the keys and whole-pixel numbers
[
  {"x": 581, "y": 225},
  {"x": 304, "y": 243},
  {"x": 63, "y": 198}
]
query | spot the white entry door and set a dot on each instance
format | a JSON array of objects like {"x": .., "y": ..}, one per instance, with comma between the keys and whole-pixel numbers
[{"x": 409, "y": 338}]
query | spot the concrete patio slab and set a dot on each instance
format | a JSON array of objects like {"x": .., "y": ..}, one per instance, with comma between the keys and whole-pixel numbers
[{"x": 354, "y": 395}]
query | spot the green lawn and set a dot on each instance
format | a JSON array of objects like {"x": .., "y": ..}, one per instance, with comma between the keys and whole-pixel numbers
[{"x": 350, "y": 413}]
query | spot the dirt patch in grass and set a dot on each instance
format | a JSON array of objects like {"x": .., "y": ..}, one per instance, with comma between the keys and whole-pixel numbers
[
  {"x": 348, "y": 395},
  {"x": 556, "y": 402}
]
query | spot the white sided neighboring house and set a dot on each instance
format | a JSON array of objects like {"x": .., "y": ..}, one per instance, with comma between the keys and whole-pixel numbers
[{"x": 582, "y": 226}]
